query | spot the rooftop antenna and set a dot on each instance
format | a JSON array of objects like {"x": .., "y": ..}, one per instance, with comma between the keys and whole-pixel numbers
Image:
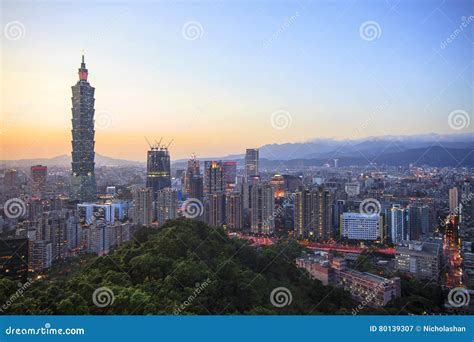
[
  {"x": 169, "y": 144},
  {"x": 158, "y": 143},
  {"x": 148, "y": 141}
]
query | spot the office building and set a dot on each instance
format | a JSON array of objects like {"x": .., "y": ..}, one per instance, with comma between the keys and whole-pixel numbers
[
  {"x": 251, "y": 162},
  {"x": 83, "y": 167},
  {"x": 421, "y": 259},
  {"x": 357, "y": 226},
  {"x": 158, "y": 174}
]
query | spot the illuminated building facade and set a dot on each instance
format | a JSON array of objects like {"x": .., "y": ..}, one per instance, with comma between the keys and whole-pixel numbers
[{"x": 158, "y": 169}]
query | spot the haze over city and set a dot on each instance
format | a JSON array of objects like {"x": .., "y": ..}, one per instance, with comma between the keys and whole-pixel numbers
[{"x": 217, "y": 77}]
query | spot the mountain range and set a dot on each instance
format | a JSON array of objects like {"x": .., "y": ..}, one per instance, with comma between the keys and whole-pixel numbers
[{"x": 452, "y": 150}]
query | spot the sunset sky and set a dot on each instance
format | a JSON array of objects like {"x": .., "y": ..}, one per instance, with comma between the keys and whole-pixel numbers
[{"x": 308, "y": 66}]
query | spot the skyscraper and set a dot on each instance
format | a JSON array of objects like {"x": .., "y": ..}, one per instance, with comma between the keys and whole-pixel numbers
[
  {"x": 158, "y": 174},
  {"x": 191, "y": 170},
  {"x": 83, "y": 175},
  {"x": 214, "y": 177},
  {"x": 251, "y": 162}
]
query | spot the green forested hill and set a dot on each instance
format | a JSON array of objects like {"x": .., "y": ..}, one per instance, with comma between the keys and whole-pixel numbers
[{"x": 186, "y": 267}]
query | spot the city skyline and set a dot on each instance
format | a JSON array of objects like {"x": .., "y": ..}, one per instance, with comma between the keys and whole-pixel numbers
[{"x": 194, "y": 90}]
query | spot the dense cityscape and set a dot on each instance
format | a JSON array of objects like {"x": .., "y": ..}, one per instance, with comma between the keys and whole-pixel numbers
[{"x": 367, "y": 231}]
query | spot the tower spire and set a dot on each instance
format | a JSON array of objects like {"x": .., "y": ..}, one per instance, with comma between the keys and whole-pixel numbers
[{"x": 83, "y": 70}]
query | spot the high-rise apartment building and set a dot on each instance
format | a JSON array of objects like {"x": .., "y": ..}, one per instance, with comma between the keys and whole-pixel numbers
[
  {"x": 39, "y": 174},
  {"x": 230, "y": 172},
  {"x": 214, "y": 177},
  {"x": 263, "y": 209},
  {"x": 214, "y": 209},
  {"x": 191, "y": 171},
  {"x": 398, "y": 224},
  {"x": 142, "y": 206},
  {"x": 313, "y": 213},
  {"x": 234, "y": 210},
  {"x": 83, "y": 166},
  {"x": 454, "y": 201},
  {"x": 166, "y": 205}
]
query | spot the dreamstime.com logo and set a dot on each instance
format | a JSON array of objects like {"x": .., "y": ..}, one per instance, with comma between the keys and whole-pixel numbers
[
  {"x": 370, "y": 30},
  {"x": 14, "y": 30},
  {"x": 46, "y": 330},
  {"x": 14, "y": 208},
  {"x": 370, "y": 206},
  {"x": 192, "y": 208},
  {"x": 458, "y": 297},
  {"x": 192, "y": 30},
  {"x": 199, "y": 288},
  {"x": 102, "y": 297},
  {"x": 280, "y": 297},
  {"x": 281, "y": 119},
  {"x": 459, "y": 119}
]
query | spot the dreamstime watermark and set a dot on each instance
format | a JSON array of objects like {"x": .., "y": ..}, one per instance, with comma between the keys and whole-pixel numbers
[
  {"x": 465, "y": 21},
  {"x": 369, "y": 298},
  {"x": 281, "y": 119},
  {"x": 103, "y": 119},
  {"x": 46, "y": 330},
  {"x": 18, "y": 293},
  {"x": 458, "y": 297},
  {"x": 192, "y": 208},
  {"x": 279, "y": 209},
  {"x": 283, "y": 27},
  {"x": 378, "y": 109},
  {"x": 102, "y": 297},
  {"x": 459, "y": 119},
  {"x": 14, "y": 208},
  {"x": 370, "y": 30},
  {"x": 14, "y": 30},
  {"x": 192, "y": 30},
  {"x": 280, "y": 297},
  {"x": 370, "y": 206},
  {"x": 465, "y": 199},
  {"x": 199, "y": 288}
]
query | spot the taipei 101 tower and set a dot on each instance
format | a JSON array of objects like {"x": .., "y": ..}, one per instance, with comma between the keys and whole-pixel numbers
[{"x": 83, "y": 177}]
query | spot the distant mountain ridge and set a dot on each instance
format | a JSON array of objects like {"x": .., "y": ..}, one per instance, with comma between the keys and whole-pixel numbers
[
  {"x": 65, "y": 160},
  {"x": 428, "y": 149}
]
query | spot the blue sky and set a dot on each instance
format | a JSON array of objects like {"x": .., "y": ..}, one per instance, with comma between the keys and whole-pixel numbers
[{"x": 217, "y": 94}]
